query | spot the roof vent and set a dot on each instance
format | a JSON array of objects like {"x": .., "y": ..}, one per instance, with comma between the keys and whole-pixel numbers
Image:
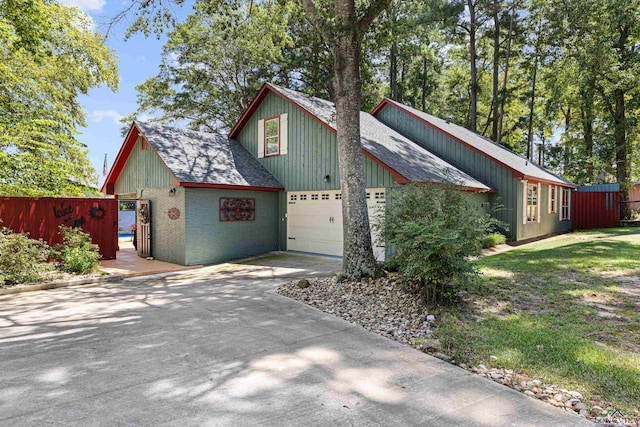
[{"x": 448, "y": 118}]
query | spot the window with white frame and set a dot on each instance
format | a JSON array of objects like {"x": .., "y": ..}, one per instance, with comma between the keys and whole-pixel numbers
[
  {"x": 565, "y": 205},
  {"x": 532, "y": 202},
  {"x": 553, "y": 199},
  {"x": 272, "y": 137}
]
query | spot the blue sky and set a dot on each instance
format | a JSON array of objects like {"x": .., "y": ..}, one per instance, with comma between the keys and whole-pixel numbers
[{"x": 138, "y": 60}]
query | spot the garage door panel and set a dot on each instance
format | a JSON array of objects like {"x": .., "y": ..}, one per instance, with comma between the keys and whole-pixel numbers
[{"x": 314, "y": 221}]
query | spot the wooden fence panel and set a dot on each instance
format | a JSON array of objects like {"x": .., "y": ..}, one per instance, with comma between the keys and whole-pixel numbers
[
  {"x": 41, "y": 216},
  {"x": 595, "y": 210}
]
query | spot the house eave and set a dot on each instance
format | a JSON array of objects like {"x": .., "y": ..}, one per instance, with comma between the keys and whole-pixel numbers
[{"x": 229, "y": 187}]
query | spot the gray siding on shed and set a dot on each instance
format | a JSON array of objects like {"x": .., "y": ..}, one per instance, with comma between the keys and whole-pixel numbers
[
  {"x": 208, "y": 240},
  {"x": 167, "y": 235},
  {"x": 143, "y": 169},
  {"x": 464, "y": 158},
  {"x": 312, "y": 151}
]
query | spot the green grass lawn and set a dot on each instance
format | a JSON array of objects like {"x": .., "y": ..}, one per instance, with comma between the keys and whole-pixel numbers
[{"x": 565, "y": 310}]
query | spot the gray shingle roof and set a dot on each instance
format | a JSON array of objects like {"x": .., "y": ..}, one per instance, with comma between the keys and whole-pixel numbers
[
  {"x": 488, "y": 147},
  {"x": 396, "y": 151},
  {"x": 206, "y": 158}
]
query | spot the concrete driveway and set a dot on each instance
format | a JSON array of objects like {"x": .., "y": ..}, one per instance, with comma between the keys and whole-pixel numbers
[{"x": 217, "y": 346}]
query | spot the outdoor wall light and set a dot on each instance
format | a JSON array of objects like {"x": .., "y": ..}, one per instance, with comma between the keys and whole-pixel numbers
[
  {"x": 326, "y": 178},
  {"x": 172, "y": 192}
]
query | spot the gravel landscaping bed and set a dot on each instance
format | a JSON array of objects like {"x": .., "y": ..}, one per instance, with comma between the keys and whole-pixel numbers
[{"x": 384, "y": 306}]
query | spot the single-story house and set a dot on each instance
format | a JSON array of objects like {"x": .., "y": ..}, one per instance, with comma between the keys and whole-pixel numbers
[
  {"x": 535, "y": 202},
  {"x": 278, "y": 169},
  {"x": 273, "y": 182}
]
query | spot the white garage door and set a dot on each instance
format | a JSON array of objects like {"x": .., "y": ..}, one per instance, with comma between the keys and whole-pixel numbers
[{"x": 314, "y": 221}]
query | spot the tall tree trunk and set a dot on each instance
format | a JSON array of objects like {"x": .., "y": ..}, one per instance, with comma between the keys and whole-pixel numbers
[
  {"x": 496, "y": 70},
  {"x": 532, "y": 102},
  {"x": 401, "y": 85},
  {"x": 473, "y": 85},
  {"x": 423, "y": 96},
  {"x": 623, "y": 147},
  {"x": 566, "y": 137},
  {"x": 588, "y": 118},
  {"x": 503, "y": 98},
  {"x": 345, "y": 37},
  {"x": 393, "y": 71},
  {"x": 623, "y": 161}
]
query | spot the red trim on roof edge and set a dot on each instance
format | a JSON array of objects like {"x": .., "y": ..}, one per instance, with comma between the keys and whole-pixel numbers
[
  {"x": 397, "y": 177},
  {"x": 228, "y": 186},
  {"x": 386, "y": 101},
  {"x": 123, "y": 155},
  {"x": 546, "y": 181},
  {"x": 121, "y": 159},
  {"x": 256, "y": 103}
]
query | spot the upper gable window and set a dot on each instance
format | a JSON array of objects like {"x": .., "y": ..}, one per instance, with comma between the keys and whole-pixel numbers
[{"x": 272, "y": 136}]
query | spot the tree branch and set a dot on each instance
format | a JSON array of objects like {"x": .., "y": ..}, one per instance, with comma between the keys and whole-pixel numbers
[
  {"x": 375, "y": 8},
  {"x": 315, "y": 17}
]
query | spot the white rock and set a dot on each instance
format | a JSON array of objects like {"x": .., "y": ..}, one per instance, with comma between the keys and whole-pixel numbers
[
  {"x": 496, "y": 376},
  {"x": 537, "y": 383},
  {"x": 580, "y": 407},
  {"x": 575, "y": 394},
  {"x": 529, "y": 393},
  {"x": 493, "y": 358},
  {"x": 431, "y": 318}
]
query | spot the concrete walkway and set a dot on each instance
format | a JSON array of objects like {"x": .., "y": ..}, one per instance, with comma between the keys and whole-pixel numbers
[
  {"x": 129, "y": 264},
  {"x": 217, "y": 346}
]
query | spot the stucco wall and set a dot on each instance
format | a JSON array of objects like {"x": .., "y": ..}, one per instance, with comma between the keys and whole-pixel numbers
[
  {"x": 209, "y": 240},
  {"x": 167, "y": 235}
]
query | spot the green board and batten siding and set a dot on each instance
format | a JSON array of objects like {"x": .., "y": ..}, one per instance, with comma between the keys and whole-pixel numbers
[
  {"x": 510, "y": 190},
  {"x": 209, "y": 240},
  {"x": 312, "y": 155},
  {"x": 312, "y": 151},
  {"x": 143, "y": 169}
]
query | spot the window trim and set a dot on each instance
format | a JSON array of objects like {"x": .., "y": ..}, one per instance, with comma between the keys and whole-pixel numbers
[
  {"x": 537, "y": 205},
  {"x": 561, "y": 216},
  {"x": 553, "y": 201},
  {"x": 264, "y": 142}
]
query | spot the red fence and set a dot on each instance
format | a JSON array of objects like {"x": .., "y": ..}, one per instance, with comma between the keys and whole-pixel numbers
[
  {"x": 41, "y": 216},
  {"x": 595, "y": 209}
]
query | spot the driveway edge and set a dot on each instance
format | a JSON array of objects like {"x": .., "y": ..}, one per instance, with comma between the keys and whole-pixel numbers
[{"x": 60, "y": 284}]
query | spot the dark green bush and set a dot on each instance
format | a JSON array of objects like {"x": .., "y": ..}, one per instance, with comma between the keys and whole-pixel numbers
[
  {"x": 23, "y": 260},
  {"x": 493, "y": 239},
  {"x": 433, "y": 230},
  {"x": 77, "y": 253}
]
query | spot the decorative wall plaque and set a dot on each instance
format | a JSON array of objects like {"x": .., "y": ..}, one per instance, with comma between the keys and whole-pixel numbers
[
  {"x": 237, "y": 209},
  {"x": 173, "y": 213}
]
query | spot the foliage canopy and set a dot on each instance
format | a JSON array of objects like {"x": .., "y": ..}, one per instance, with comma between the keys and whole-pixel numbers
[{"x": 49, "y": 54}]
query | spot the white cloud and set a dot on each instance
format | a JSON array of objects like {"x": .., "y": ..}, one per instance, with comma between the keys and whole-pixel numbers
[
  {"x": 85, "y": 5},
  {"x": 98, "y": 116}
]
